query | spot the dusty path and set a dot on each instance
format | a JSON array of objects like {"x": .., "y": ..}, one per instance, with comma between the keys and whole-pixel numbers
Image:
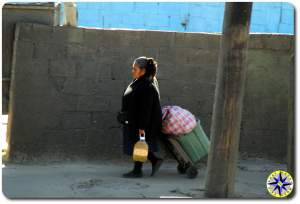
[{"x": 103, "y": 180}]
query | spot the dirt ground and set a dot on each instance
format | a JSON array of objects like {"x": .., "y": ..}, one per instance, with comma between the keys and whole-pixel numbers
[{"x": 102, "y": 179}]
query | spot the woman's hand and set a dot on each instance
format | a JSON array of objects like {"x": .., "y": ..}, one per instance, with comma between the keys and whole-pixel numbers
[{"x": 141, "y": 132}]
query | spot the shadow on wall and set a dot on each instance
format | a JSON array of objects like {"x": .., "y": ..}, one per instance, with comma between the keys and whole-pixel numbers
[{"x": 85, "y": 72}]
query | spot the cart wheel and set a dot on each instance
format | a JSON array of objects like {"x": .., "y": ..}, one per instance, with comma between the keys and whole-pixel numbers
[
  {"x": 192, "y": 172},
  {"x": 181, "y": 169}
]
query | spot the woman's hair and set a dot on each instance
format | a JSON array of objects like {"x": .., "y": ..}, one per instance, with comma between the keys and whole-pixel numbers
[{"x": 149, "y": 64}]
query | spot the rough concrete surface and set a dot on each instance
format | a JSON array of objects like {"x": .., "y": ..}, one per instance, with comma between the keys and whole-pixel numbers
[
  {"x": 103, "y": 179},
  {"x": 44, "y": 13},
  {"x": 67, "y": 84}
]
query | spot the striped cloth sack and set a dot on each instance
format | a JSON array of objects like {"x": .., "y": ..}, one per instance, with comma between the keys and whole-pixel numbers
[{"x": 177, "y": 121}]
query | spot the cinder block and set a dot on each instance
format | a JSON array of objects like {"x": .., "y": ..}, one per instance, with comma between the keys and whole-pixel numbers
[
  {"x": 35, "y": 86},
  {"x": 57, "y": 82},
  {"x": 71, "y": 137},
  {"x": 90, "y": 53},
  {"x": 95, "y": 137},
  {"x": 45, "y": 50},
  {"x": 35, "y": 32},
  {"x": 74, "y": 34},
  {"x": 110, "y": 88},
  {"x": 60, "y": 34},
  {"x": 198, "y": 40},
  {"x": 33, "y": 68},
  {"x": 104, "y": 36},
  {"x": 164, "y": 72},
  {"x": 128, "y": 55},
  {"x": 26, "y": 131},
  {"x": 80, "y": 86},
  {"x": 197, "y": 72},
  {"x": 92, "y": 37},
  {"x": 24, "y": 31},
  {"x": 115, "y": 104},
  {"x": 104, "y": 120},
  {"x": 183, "y": 102},
  {"x": 104, "y": 72},
  {"x": 271, "y": 41},
  {"x": 151, "y": 52},
  {"x": 200, "y": 56},
  {"x": 158, "y": 39},
  {"x": 131, "y": 38},
  {"x": 119, "y": 71},
  {"x": 254, "y": 55},
  {"x": 111, "y": 39},
  {"x": 205, "y": 105},
  {"x": 190, "y": 89},
  {"x": 42, "y": 33},
  {"x": 25, "y": 50},
  {"x": 62, "y": 68},
  {"x": 203, "y": 58},
  {"x": 167, "y": 55},
  {"x": 73, "y": 120},
  {"x": 92, "y": 103},
  {"x": 67, "y": 102},
  {"x": 87, "y": 69},
  {"x": 115, "y": 139},
  {"x": 74, "y": 51},
  {"x": 182, "y": 56}
]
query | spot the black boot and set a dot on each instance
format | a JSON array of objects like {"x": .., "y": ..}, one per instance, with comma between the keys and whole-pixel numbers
[
  {"x": 156, "y": 162},
  {"x": 136, "y": 172}
]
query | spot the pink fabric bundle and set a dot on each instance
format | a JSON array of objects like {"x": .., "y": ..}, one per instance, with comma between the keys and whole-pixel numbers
[{"x": 177, "y": 121}]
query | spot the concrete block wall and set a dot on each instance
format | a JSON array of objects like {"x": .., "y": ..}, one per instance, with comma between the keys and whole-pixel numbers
[
  {"x": 265, "y": 112},
  {"x": 43, "y": 13},
  {"x": 267, "y": 17},
  {"x": 68, "y": 83}
]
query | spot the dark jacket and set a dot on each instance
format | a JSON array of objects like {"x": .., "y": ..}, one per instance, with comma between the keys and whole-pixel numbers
[{"x": 142, "y": 103}]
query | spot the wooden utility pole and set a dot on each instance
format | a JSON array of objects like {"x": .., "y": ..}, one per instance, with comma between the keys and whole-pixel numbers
[{"x": 227, "y": 108}]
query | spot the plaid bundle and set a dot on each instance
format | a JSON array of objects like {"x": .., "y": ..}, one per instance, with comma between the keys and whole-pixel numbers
[{"x": 177, "y": 121}]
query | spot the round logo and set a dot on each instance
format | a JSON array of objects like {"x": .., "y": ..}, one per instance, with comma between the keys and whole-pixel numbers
[{"x": 280, "y": 184}]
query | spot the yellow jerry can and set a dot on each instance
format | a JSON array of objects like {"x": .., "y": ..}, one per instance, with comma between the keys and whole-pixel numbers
[{"x": 140, "y": 150}]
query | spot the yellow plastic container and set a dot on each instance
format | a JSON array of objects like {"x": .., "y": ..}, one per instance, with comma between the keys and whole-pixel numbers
[{"x": 140, "y": 151}]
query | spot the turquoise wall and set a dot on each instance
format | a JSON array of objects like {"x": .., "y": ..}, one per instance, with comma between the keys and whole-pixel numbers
[{"x": 267, "y": 17}]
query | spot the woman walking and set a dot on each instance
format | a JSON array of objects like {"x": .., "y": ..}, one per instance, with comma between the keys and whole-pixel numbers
[{"x": 141, "y": 113}]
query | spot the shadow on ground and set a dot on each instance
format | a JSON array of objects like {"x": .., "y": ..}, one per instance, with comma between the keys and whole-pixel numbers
[{"x": 103, "y": 179}]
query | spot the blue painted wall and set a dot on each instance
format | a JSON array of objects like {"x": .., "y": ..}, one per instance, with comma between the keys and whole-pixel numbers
[{"x": 267, "y": 17}]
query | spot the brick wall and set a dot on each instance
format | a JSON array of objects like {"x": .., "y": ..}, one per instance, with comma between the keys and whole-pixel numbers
[{"x": 68, "y": 82}]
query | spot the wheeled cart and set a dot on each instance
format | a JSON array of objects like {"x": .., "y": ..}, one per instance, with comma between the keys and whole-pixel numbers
[{"x": 188, "y": 149}]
